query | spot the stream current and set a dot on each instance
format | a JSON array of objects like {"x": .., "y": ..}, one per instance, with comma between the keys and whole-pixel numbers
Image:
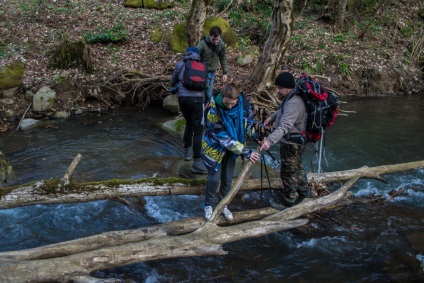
[{"x": 359, "y": 243}]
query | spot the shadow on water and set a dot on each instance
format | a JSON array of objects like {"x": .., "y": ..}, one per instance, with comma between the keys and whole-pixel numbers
[{"x": 360, "y": 243}]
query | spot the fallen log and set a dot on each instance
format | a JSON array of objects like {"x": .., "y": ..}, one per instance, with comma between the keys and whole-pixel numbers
[
  {"x": 75, "y": 260},
  {"x": 52, "y": 191},
  {"x": 70, "y": 264}
]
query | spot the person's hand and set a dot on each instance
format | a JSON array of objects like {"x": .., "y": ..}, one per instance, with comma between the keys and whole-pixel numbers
[
  {"x": 207, "y": 105},
  {"x": 224, "y": 78},
  {"x": 267, "y": 123},
  {"x": 254, "y": 156},
  {"x": 264, "y": 145}
]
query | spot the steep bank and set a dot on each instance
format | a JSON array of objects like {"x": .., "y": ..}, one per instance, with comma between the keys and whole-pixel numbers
[{"x": 382, "y": 63}]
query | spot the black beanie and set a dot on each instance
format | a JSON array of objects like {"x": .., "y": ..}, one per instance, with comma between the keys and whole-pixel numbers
[{"x": 285, "y": 80}]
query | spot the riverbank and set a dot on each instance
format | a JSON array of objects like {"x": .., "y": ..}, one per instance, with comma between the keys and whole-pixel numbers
[{"x": 382, "y": 63}]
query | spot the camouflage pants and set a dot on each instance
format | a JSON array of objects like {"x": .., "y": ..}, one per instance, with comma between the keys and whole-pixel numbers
[{"x": 292, "y": 173}]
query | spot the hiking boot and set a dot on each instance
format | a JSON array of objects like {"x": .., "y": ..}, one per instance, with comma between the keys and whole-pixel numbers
[
  {"x": 208, "y": 212},
  {"x": 227, "y": 214},
  {"x": 198, "y": 167},
  {"x": 188, "y": 153}
]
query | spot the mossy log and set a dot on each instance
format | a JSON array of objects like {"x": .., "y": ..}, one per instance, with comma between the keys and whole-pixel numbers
[
  {"x": 75, "y": 260},
  {"x": 54, "y": 191}
]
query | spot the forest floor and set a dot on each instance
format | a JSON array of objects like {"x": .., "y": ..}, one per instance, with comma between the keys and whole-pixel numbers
[{"x": 383, "y": 62}]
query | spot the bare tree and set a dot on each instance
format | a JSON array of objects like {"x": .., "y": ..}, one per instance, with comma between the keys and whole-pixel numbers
[
  {"x": 276, "y": 44},
  {"x": 340, "y": 14},
  {"x": 195, "y": 20}
]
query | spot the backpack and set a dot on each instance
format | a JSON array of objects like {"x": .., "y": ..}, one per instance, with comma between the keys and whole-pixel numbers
[
  {"x": 195, "y": 75},
  {"x": 322, "y": 108}
]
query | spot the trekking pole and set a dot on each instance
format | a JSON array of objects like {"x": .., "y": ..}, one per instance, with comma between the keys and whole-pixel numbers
[{"x": 320, "y": 153}]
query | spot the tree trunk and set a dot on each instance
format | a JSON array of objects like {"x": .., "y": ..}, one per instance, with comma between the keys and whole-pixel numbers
[
  {"x": 75, "y": 260},
  {"x": 340, "y": 14},
  {"x": 281, "y": 29},
  {"x": 51, "y": 191},
  {"x": 195, "y": 21},
  {"x": 207, "y": 240}
]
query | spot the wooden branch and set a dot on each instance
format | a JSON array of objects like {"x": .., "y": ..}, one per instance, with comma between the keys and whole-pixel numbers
[
  {"x": 67, "y": 177},
  {"x": 365, "y": 172},
  {"x": 234, "y": 189},
  {"x": 207, "y": 240}
]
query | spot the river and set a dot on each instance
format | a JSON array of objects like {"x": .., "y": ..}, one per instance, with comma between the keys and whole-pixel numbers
[{"x": 361, "y": 243}]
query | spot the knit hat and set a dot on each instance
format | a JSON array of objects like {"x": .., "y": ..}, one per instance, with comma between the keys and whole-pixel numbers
[
  {"x": 285, "y": 80},
  {"x": 193, "y": 49}
]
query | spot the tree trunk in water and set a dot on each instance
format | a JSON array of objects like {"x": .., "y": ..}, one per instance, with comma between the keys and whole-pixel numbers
[
  {"x": 70, "y": 264},
  {"x": 51, "y": 191},
  {"x": 275, "y": 46},
  {"x": 195, "y": 21}
]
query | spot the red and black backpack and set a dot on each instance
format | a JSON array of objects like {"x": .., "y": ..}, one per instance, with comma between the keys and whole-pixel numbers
[
  {"x": 195, "y": 75},
  {"x": 322, "y": 107}
]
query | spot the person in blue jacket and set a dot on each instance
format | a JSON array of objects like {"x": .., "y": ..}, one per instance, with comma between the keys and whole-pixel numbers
[
  {"x": 223, "y": 141},
  {"x": 191, "y": 105}
]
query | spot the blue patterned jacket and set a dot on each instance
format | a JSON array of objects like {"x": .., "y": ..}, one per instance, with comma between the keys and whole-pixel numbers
[{"x": 216, "y": 141}]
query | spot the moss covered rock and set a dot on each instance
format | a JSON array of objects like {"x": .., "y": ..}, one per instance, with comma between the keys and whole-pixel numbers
[
  {"x": 179, "y": 42},
  {"x": 7, "y": 174},
  {"x": 178, "y": 39},
  {"x": 150, "y": 4},
  {"x": 11, "y": 75},
  {"x": 175, "y": 126},
  {"x": 228, "y": 34},
  {"x": 133, "y": 3},
  {"x": 156, "y": 35}
]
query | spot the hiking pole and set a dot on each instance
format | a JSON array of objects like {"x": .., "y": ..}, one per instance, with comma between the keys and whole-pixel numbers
[{"x": 320, "y": 153}]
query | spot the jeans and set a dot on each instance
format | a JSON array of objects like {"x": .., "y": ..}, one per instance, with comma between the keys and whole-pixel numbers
[
  {"x": 209, "y": 87},
  {"x": 192, "y": 110},
  {"x": 225, "y": 175}
]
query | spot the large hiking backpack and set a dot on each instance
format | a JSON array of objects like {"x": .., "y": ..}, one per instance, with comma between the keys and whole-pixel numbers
[
  {"x": 195, "y": 75},
  {"x": 322, "y": 108}
]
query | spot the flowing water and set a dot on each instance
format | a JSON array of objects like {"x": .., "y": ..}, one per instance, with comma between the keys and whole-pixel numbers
[{"x": 359, "y": 243}]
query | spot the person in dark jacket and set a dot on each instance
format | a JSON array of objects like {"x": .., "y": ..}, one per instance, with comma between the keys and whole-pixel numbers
[
  {"x": 223, "y": 141},
  {"x": 289, "y": 120},
  {"x": 212, "y": 52},
  {"x": 191, "y": 105}
]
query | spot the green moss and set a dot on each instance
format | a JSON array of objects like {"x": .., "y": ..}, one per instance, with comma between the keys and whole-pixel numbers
[
  {"x": 156, "y": 35},
  {"x": 133, "y": 3},
  {"x": 149, "y": 4},
  {"x": 68, "y": 54},
  {"x": 11, "y": 75},
  {"x": 52, "y": 187},
  {"x": 116, "y": 34},
  {"x": 229, "y": 36},
  {"x": 178, "y": 39},
  {"x": 158, "y": 4},
  {"x": 180, "y": 125}
]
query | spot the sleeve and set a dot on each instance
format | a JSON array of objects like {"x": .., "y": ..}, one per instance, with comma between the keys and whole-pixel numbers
[
  {"x": 223, "y": 59},
  {"x": 174, "y": 78},
  {"x": 285, "y": 123},
  {"x": 220, "y": 134}
]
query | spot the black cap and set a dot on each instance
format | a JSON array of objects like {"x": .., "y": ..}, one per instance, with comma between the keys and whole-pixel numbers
[{"x": 285, "y": 80}]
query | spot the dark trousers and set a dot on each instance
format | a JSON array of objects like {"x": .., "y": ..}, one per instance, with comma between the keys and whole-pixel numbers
[
  {"x": 225, "y": 175},
  {"x": 292, "y": 173},
  {"x": 192, "y": 109}
]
